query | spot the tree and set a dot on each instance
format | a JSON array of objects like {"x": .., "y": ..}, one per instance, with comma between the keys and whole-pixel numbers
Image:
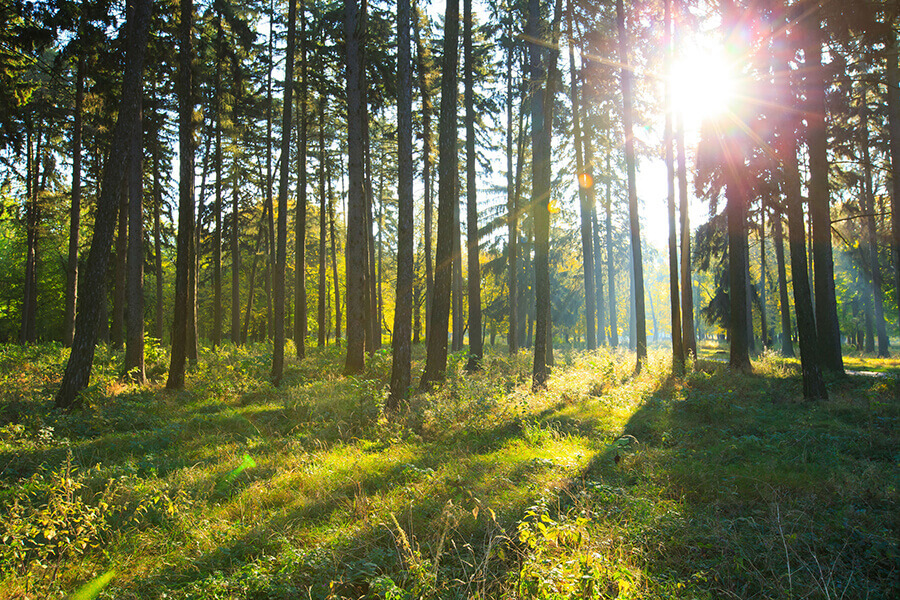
[
  {"x": 677, "y": 341},
  {"x": 474, "y": 265},
  {"x": 400, "y": 367},
  {"x": 357, "y": 240},
  {"x": 300, "y": 218},
  {"x": 185, "y": 247},
  {"x": 585, "y": 182},
  {"x": 436, "y": 356},
  {"x": 631, "y": 168},
  {"x": 78, "y": 368},
  {"x": 284, "y": 180},
  {"x": 75, "y": 215}
]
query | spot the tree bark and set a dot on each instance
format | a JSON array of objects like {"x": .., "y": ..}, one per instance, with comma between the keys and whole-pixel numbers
[
  {"x": 787, "y": 345},
  {"x": 284, "y": 183},
  {"x": 584, "y": 182},
  {"x": 157, "y": 243},
  {"x": 476, "y": 341},
  {"x": 357, "y": 240},
  {"x": 323, "y": 232},
  {"x": 402, "y": 354},
  {"x": 688, "y": 334},
  {"x": 117, "y": 329},
  {"x": 630, "y": 166},
  {"x": 184, "y": 250},
  {"x": 436, "y": 357},
  {"x": 134, "y": 318},
  {"x": 674, "y": 299},
  {"x": 75, "y": 214},
  {"x": 512, "y": 217},
  {"x": 300, "y": 216},
  {"x": 893, "y": 98},
  {"x": 78, "y": 368},
  {"x": 827, "y": 327},
  {"x": 217, "y": 236},
  {"x": 610, "y": 260},
  {"x": 423, "y": 66},
  {"x": 334, "y": 269}
]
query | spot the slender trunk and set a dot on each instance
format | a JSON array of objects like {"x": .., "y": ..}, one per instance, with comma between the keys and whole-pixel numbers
[
  {"x": 516, "y": 316},
  {"x": 402, "y": 354},
  {"x": 334, "y": 269},
  {"x": 827, "y": 327},
  {"x": 476, "y": 340},
  {"x": 270, "y": 180},
  {"x": 134, "y": 325},
  {"x": 456, "y": 291},
  {"x": 688, "y": 334},
  {"x": 631, "y": 168},
  {"x": 871, "y": 237},
  {"x": 32, "y": 220},
  {"x": 373, "y": 329},
  {"x": 893, "y": 102},
  {"x": 117, "y": 329},
  {"x": 787, "y": 334},
  {"x": 184, "y": 250},
  {"x": 283, "y": 185},
  {"x": 436, "y": 357},
  {"x": 610, "y": 261},
  {"x": 235, "y": 258},
  {"x": 764, "y": 326},
  {"x": 217, "y": 209},
  {"x": 423, "y": 67},
  {"x": 300, "y": 216},
  {"x": 512, "y": 339},
  {"x": 157, "y": 243},
  {"x": 78, "y": 368},
  {"x": 674, "y": 299},
  {"x": 323, "y": 223},
  {"x": 584, "y": 182},
  {"x": 75, "y": 214}
]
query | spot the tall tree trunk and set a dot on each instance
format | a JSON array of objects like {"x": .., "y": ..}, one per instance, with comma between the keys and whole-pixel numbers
[
  {"x": 610, "y": 260},
  {"x": 270, "y": 178},
  {"x": 184, "y": 249},
  {"x": 512, "y": 217},
  {"x": 78, "y": 368},
  {"x": 584, "y": 182},
  {"x": 827, "y": 327},
  {"x": 893, "y": 101},
  {"x": 786, "y": 151},
  {"x": 871, "y": 237},
  {"x": 436, "y": 357},
  {"x": 300, "y": 217},
  {"x": 373, "y": 323},
  {"x": 75, "y": 214},
  {"x": 323, "y": 283},
  {"x": 476, "y": 341},
  {"x": 235, "y": 257},
  {"x": 248, "y": 315},
  {"x": 423, "y": 67},
  {"x": 283, "y": 185},
  {"x": 157, "y": 242},
  {"x": 334, "y": 269},
  {"x": 517, "y": 309},
  {"x": 688, "y": 334},
  {"x": 764, "y": 326},
  {"x": 217, "y": 209},
  {"x": 674, "y": 299},
  {"x": 117, "y": 329},
  {"x": 631, "y": 168},
  {"x": 457, "y": 288},
  {"x": 357, "y": 240},
  {"x": 736, "y": 210},
  {"x": 32, "y": 220},
  {"x": 787, "y": 345},
  {"x": 402, "y": 353},
  {"x": 134, "y": 322}
]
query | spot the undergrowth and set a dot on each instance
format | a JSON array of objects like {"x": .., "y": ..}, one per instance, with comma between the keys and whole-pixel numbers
[{"x": 605, "y": 485}]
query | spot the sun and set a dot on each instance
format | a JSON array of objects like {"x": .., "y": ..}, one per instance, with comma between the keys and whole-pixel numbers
[{"x": 703, "y": 86}]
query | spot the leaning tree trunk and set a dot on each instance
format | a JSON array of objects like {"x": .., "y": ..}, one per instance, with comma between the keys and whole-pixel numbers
[
  {"x": 78, "y": 369},
  {"x": 436, "y": 357}
]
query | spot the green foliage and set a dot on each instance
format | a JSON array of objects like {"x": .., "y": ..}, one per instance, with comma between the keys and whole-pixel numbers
[{"x": 605, "y": 485}]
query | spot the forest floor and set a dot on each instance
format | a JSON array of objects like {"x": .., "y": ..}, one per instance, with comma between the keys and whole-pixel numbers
[{"x": 606, "y": 485}]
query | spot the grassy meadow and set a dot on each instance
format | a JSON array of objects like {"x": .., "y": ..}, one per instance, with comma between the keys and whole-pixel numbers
[{"x": 607, "y": 485}]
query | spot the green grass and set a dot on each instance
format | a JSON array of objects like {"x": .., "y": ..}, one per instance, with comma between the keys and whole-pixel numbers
[{"x": 605, "y": 485}]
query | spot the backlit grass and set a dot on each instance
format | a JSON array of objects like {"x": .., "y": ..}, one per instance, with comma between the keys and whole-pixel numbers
[{"x": 604, "y": 485}]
